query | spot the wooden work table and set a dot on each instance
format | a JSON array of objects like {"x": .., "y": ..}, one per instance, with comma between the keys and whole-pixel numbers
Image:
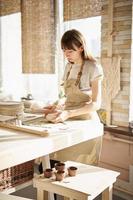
[{"x": 17, "y": 147}]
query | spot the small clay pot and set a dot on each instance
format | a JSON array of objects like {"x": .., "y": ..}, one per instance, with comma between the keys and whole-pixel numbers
[
  {"x": 60, "y": 166},
  {"x": 59, "y": 175},
  {"x": 48, "y": 173},
  {"x": 72, "y": 171}
]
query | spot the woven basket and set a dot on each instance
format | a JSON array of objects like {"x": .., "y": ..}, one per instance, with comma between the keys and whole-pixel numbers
[{"x": 16, "y": 175}]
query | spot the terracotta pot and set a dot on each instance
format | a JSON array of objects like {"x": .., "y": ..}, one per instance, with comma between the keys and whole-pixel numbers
[
  {"x": 60, "y": 166},
  {"x": 59, "y": 175},
  {"x": 48, "y": 173},
  {"x": 72, "y": 171}
]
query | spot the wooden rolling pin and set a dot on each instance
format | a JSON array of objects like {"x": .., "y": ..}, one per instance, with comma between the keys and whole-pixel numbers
[{"x": 24, "y": 128}]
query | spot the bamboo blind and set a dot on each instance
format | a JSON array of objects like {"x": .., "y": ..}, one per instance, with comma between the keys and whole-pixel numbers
[
  {"x": 38, "y": 36},
  {"x": 79, "y": 9},
  {"x": 9, "y": 7}
]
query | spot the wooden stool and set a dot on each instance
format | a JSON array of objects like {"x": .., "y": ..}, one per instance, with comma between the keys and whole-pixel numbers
[{"x": 89, "y": 182}]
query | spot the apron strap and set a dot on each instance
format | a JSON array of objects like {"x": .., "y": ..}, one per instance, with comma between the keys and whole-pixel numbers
[{"x": 78, "y": 76}]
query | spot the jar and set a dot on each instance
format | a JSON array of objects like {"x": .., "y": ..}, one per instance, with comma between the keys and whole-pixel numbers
[
  {"x": 72, "y": 170},
  {"x": 48, "y": 173},
  {"x": 59, "y": 175},
  {"x": 60, "y": 166}
]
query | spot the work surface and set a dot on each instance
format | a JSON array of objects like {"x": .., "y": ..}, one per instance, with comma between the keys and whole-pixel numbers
[{"x": 17, "y": 147}]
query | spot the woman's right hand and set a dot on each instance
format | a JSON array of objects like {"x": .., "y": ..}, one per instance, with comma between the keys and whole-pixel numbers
[{"x": 49, "y": 109}]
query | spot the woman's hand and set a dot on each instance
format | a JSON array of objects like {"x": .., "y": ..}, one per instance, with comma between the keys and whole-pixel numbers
[
  {"x": 58, "y": 116},
  {"x": 53, "y": 108},
  {"x": 49, "y": 109}
]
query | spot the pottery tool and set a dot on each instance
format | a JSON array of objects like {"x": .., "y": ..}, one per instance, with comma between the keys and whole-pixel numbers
[{"x": 24, "y": 128}]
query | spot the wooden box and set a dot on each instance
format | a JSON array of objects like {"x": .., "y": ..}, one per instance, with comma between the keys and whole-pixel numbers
[
  {"x": 16, "y": 175},
  {"x": 117, "y": 153}
]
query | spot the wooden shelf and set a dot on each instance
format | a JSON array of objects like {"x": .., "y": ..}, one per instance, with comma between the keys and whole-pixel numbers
[{"x": 119, "y": 130}]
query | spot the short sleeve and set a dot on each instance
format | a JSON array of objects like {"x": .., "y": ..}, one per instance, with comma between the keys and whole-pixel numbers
[{"x": 97, "y": 72}]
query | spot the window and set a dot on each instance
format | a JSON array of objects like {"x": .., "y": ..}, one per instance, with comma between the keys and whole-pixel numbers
[
  {"x": 13, "y": 82},
  {"x": 91, "y": 29}
]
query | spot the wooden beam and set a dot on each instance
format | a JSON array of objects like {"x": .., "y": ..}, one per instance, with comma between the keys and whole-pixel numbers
[{"x": 110, "y": 27}]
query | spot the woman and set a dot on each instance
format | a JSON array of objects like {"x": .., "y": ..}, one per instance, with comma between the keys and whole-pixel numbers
[
  {"x": 82, "y": 81},
  {"x": 82, "y": 87}
]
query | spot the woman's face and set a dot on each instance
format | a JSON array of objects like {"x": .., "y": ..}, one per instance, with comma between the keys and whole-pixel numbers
[{"x": 73, "y": 56}]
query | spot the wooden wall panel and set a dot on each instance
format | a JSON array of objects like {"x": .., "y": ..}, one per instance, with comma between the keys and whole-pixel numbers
[{"x": 121, "y": 46}]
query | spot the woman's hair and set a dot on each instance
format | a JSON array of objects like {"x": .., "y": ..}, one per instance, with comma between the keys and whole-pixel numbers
[{"x": 73, "y": 38}]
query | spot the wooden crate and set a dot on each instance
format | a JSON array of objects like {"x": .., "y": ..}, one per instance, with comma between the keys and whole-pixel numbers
[
  {"x": 117, "y": 153},
  {"x": 16, "y": 175}
]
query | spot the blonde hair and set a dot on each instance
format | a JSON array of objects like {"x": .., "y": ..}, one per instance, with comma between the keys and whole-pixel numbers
[{"x": 73, "y": 38}]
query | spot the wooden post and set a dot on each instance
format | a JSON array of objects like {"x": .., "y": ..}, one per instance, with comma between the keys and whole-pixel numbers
[
  {"x": 110, "y": 27},
  {"x": 109, "y": 52}
]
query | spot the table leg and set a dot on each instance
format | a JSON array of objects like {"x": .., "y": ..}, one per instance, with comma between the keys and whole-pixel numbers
[
  {"x": 46, "y": 164},
  {"x": 107, "y": 193},
  {"x": 67, "y": 198},
  {"x": 42, "y": 195}
]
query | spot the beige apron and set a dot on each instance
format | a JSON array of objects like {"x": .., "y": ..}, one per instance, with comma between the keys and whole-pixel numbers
[{"x": 86, "y": 152}]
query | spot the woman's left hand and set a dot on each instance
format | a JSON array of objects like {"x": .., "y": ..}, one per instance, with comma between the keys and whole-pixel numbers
[{"x": 57, "y": 117}]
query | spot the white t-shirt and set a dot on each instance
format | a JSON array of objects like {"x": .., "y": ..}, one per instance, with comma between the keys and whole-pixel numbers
[{"x": 91, "y": 71}]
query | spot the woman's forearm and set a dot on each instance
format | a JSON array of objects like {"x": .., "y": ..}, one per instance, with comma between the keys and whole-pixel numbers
[{"x": 86, "y": 109}]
